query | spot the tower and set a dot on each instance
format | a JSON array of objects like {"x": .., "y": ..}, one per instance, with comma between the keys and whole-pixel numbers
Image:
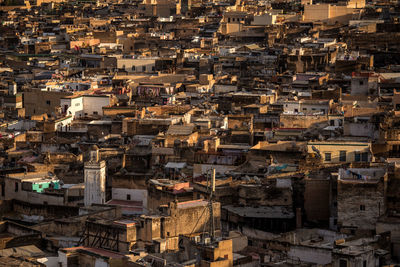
[{"x": 95, "y": 179}]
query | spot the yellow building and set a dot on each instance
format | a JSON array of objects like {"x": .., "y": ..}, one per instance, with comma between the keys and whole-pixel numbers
[{"x": 340, "y": 151}]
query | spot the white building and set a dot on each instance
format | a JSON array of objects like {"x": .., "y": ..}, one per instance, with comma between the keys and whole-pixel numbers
[
  {"x": 307, "y": 106},
  {"x": 95, "y": 179},
  {"x": 84, "y": 105}
]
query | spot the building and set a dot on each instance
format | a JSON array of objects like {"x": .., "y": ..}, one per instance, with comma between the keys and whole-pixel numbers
[{"x": 95, "y": 179}]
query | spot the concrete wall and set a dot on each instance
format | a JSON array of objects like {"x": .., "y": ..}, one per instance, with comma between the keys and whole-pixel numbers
[
  {"x": 128, "y": 63},
  {"x": 135, "y": 194},
  {"x": 36, "y": 102},
  {"x": 13, "y": 190},
  {"x": 264, "y": 19},
  {"x": 361, "y": 129},
  {"x": 311, "y": 254},
  {"x": 318, "y": 12},
  {"x": 95, "y": 104}
]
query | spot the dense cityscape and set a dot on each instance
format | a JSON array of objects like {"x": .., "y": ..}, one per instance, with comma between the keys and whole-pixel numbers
[{"x": 197, "y": 133}]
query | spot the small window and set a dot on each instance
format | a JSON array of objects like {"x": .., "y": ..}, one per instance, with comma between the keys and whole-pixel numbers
[
  {"x": 48, "y": 102},
  {"x": 357, "y": 156},
  {"x": 328, "y": 156},
  {"x": 144, "y": 68},
  {"x": 364, "y": 157},
  {"x": 362, "y": 207},
  {"x": 153, "y": 68},
  {"x": 128, "y": 197},
  {"x": 16, "y": 187},
  {"x": 342, "y": 156},
  {"x": 95, "y": 113},
  {"x": 361, "y": 82},
  {"x": 40, "y": 186},
  {"x": 342, "y": 263}
]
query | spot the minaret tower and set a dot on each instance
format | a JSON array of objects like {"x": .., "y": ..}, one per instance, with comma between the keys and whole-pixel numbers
[{"x": 95, "y": 179}]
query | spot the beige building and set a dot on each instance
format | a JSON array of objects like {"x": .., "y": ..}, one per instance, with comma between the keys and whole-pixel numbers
[
  {"x": 332, "y": 13},
  {"x": 338, "y": 151}
]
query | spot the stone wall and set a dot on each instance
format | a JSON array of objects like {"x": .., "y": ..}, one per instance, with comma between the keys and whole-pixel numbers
[{"x": 360, "y": 203}]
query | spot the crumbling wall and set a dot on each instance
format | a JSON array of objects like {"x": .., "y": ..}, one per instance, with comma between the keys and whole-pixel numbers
[{"x": 360, "y": 204}]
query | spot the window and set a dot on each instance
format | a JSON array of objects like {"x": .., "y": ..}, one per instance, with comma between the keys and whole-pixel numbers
[
  {"x": 48, "y": 102},
  {"x": 133, "y": 68},
  {"x": 362, "y": 207},
  {"x": 357, "y": 156},
  {"x": 328, "y": 156},
  {"x": 296, "y": 110},
  {"x": 16, "y": 187},
  {"x": 364, "y": 157},
  {"x": 95, "y": 113},
  {"x": 128, "y": 197},
  {"x": 342, "y": 263},
  {"x": 361, "y": 82},
  {"x": 143, "y": 68},
  {"x": 364, "y": 263},
  {"x": 153, "y": 68},
  {"x": 342, "y": 155}
]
